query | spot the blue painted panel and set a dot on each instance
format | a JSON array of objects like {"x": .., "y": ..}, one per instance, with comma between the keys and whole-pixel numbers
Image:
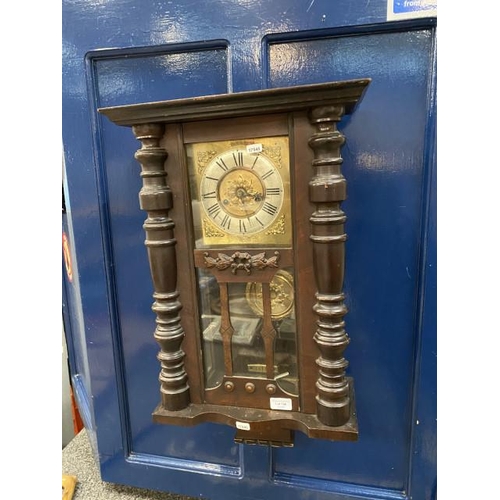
[
  {"x": 383, "y": 164},
  {"x": 147, "y": 77},
  {"x": 73, "y": 320},
  {"x": 159, "y": 75},
  {"x": 424, "y": 440}
]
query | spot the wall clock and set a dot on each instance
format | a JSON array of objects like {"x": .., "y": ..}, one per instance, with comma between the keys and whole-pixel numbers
[{"x": 245, "y": 238}]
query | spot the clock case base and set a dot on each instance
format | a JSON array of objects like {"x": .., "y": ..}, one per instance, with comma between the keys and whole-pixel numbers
[{"x": 267, "y": 427}]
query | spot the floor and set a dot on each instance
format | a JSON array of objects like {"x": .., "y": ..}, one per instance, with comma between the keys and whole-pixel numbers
[{"x": 78, "y": 460}]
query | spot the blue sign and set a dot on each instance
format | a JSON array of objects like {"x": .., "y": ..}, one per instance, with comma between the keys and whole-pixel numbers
[{"x": 405, "y": 6}]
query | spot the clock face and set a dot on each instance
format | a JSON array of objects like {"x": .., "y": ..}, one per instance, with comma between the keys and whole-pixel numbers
[{"x": 241, "y": 192}]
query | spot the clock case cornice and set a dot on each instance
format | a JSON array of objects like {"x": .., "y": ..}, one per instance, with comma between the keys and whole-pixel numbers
[{"x": 346, "y": 93}]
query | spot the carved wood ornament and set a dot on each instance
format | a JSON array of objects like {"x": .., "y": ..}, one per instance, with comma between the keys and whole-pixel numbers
[
  {"x": 327, "y": 189},
  {"x": 241, "y": 261},
  {"x": 308, "y": 115},
  {"x": 156, "y": 199}
]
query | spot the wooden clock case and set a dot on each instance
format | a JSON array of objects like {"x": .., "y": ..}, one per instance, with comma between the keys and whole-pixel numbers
[{"x": 308, "y": 115}]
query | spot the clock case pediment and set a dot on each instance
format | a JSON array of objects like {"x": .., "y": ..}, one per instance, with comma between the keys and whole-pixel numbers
[{"x": 308, "y": 116}]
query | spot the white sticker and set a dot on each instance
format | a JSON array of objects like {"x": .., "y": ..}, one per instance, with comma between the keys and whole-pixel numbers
[
  {"x": 281, "y": 403},
  {"x": 254, "y": 148},
  {"x": 243, "y": 426}
]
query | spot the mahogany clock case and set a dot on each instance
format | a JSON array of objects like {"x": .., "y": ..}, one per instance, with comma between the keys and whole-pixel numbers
[{"x": 308, "y": 116}]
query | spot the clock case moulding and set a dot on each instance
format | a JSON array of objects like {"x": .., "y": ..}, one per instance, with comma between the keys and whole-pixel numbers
[{"x": 308, "y": 115}]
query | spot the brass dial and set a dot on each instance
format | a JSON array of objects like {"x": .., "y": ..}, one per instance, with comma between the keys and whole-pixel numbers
[
  {"x": 241, "y": 193},
  {"x": 282, "y": 296}
]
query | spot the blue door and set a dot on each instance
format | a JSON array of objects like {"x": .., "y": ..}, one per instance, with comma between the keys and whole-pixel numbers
[{"x": 127, "y": 51}]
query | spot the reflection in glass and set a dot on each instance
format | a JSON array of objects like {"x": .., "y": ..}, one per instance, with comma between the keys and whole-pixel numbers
[{"x": 246, "y": 316}]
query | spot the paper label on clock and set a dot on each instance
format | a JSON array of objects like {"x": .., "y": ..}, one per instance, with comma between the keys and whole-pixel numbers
[
  {"x": 254, "y": 148},
  {"x": 281, "y": 403},
  {"x": 243, "y": 426}
]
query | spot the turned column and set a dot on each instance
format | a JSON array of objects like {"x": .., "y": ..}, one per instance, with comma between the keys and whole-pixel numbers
[
  {"x": 156, "y": 199},
  {"x": 327, "y": 189}
]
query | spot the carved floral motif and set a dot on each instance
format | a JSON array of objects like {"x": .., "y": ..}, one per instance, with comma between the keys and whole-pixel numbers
[
  {"x": 241, "y": 261},
  {"x": 278, "y": 227},
  {"x": 210, "y": 230},
  {"x": 204, "y": 158},
  {"x": 274, "y": 153}
]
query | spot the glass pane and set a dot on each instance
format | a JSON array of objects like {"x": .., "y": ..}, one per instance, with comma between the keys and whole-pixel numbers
[
  {"x": 213, "y": 355},
  {"x": 283, "y": 320},
  {"x": 246, "y": 315},
  {"x": 286, "y": 356},
  {"x": 249, "y": 357}
]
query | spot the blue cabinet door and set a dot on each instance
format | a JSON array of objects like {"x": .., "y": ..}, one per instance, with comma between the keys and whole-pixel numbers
[{"x": 127, "y": 51}]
